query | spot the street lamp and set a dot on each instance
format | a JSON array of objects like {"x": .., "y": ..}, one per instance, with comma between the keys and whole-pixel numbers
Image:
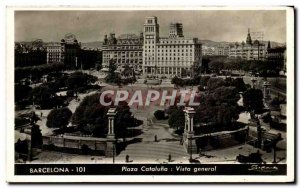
[
  {"x": 114, "y": 142},
  {"x": 191, "y": 152}
]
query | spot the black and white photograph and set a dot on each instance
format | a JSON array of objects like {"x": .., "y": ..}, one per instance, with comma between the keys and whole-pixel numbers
[{"x": 150, "y": 94}]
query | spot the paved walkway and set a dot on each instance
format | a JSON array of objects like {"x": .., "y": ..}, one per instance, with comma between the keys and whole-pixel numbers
[{"x": 149, "y": 151}]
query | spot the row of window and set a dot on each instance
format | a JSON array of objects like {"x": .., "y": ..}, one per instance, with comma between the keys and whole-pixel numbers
[
  {"x": 246, "y": 50},
  {"x": 167, "y": 46},
  {"x": 131, "y": 62},
  {"x": 169, "y": 58},
  {"x": 166, "y": 64},
  {"x": 122, "y": 53},
  {"x": 135, "y": 66},
  {"x": 149, "y": 29},
  {"x": 125, "y": 47},
  {"x": 175, "y": 41}
]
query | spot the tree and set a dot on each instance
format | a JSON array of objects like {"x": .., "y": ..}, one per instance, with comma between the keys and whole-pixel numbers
[
  {"x": 227, "y": 95},
  {"x": 177, "y": 119},
  {"x": 91, "y": 112},
  {"x": 214, "y": 83},
  {"x": 204, "y": 66},
  {"x": 159, "y": 114},
  {"x": 204, "y": 80},
  {"x": 127, "y": 72},
  {"x": 36, "y": 136},
  {"x": 22, "y": 92},
  {"x": 44, "y": 96},
  {"x": 59, "y": 118},
  {"x": 37, "y": 71},
  {"x": 123, "y": 120},
  {"x": 216, "y": 65},
  {"x": 239, "y": 84},
  {"x": 177, "y": 81},
  {"x": 79, "y": 80},
  {"x": 112, "y": 76},
  {"x": 253, "y": 100},
  {"x": 90, "y": 116},
  {"x": 218, "y": 107}
]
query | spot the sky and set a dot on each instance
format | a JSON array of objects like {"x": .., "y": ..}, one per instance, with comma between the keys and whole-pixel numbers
[{"x": 89, "y": 26}]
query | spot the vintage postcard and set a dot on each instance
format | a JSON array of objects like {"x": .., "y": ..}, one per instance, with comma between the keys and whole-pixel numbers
[{"x": 165, "y": 94}]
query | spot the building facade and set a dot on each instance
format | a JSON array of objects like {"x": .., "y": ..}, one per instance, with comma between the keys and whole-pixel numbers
[
  {"x": 55, "y": 52},
  {"x": 222, "y": 50},
  {"x": 170, "y": 56},
  {"x": 127, "y": 49},
  {"x": 277, "y": 55},
  {"x": 66, "y": 51},
  {"x": 208, "y": 50},
  {"x": 249, "y": 51}
]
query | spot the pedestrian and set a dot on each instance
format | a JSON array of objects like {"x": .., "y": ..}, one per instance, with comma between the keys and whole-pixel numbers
[
  {"x": 170, "y": 158},
  {"x": 127, "y": 158},
  {"x": 155, "y": 138},
  {"x": 41, "y": 114}
]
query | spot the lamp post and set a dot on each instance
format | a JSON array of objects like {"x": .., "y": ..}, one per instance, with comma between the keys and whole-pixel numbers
[
  {"x": 191, "y": 152},
  {"x": 274, "y": 153},
  {"x": 114, "y": 152}
]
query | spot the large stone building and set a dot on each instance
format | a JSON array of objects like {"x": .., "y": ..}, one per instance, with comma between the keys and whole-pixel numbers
[
  {"x": 70, "y": 52},
  {"x": 251, "y": 50},
  {"x": 55, "y": 52},
  {"x": 64, "y": 52},
  {"x": 222, "y": 50},
  {"x": 170, "y": 56},
  {"x": 127, "y": 49},
  {"x": 277, "y": 55}
]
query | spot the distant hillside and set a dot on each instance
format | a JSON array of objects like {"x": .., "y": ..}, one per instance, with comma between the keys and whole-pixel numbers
[{"x": 98, "y": 44}]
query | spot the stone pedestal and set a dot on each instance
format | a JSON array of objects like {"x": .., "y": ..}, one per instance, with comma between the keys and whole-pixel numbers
[
  {"x": 189, "y": 143},
  {"x": 110, "y": 148}
]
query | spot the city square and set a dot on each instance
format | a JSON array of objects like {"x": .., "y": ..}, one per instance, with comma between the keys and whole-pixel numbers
[{"x": 148, "y": 98}]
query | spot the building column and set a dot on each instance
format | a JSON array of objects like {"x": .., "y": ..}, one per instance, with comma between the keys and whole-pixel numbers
[
  {"x": 111, "y": 140},
  {"x": 186, "y": 123},
  {"x": 111, "y": 116},
  {"x": 189, "y": 141}
]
